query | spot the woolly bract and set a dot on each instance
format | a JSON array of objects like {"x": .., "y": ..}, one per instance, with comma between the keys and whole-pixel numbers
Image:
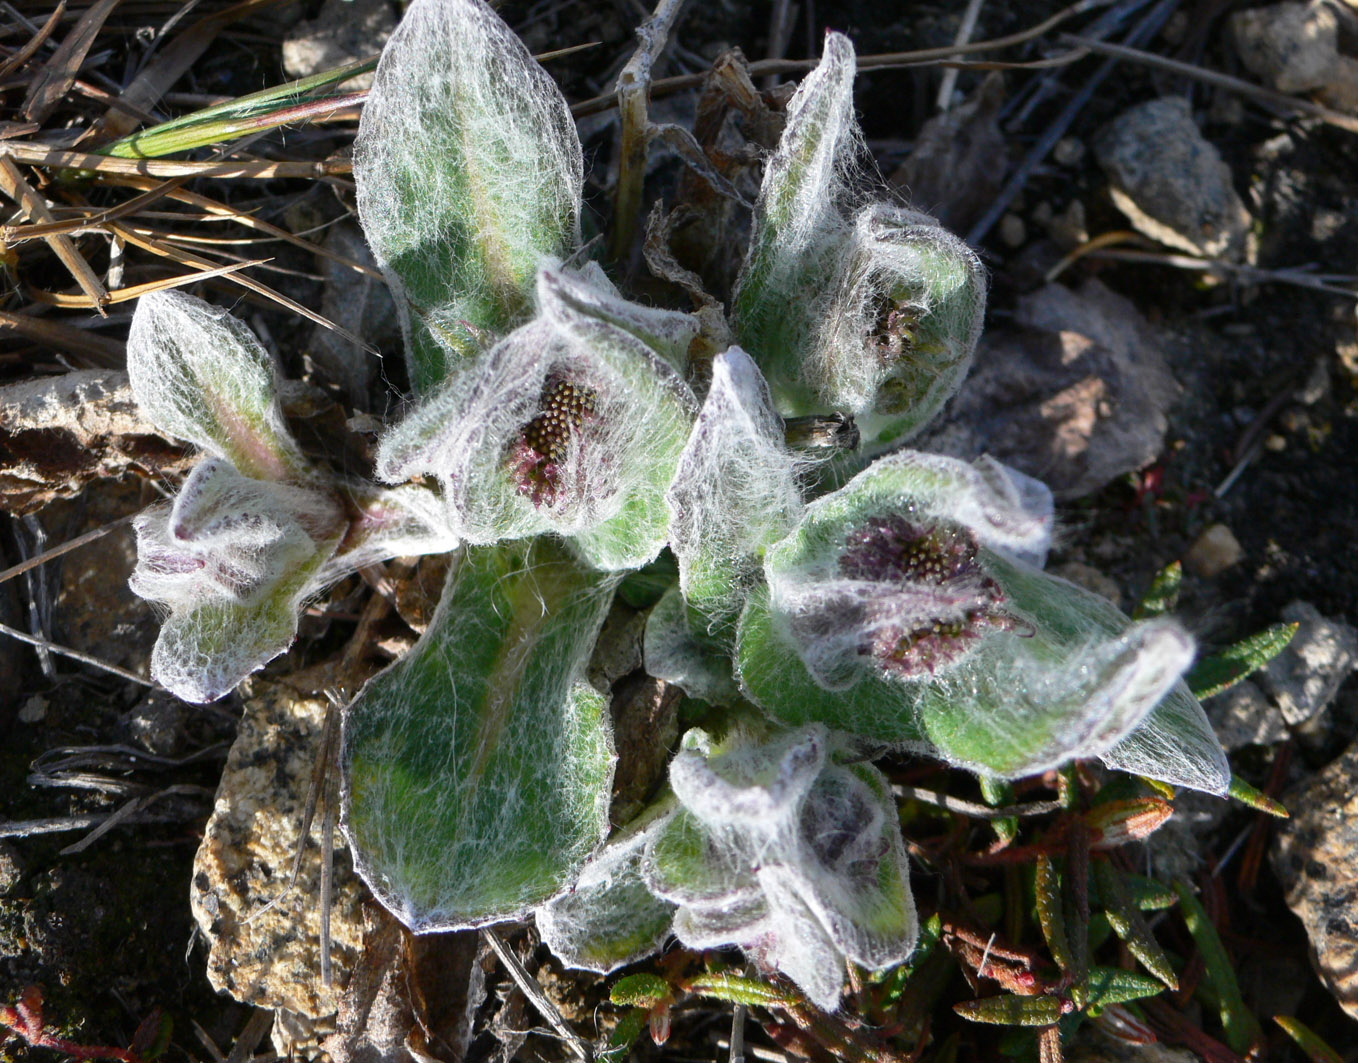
[
  {"x": 612, "y": 457},
  {"x": 996, "y": 665},
  {"x": 233, "y": 559},
  {"x": 735, "y": 489},
  {"x": 609, "y": 918},
  {"x": 469, "y": 172},
  {"x": 255, "y": 529},
  {"x": 873, "y": 311},
  {"x": 199, "y": 374},
  {"x": 679, "y": 648},
  {"x": 476, "y": 770},
  {"x": 780, "y": 850}
]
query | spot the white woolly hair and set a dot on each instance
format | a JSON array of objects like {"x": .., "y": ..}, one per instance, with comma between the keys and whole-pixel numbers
[
  {"x": 617, "y": 464},
  {"x": 735, "y": 489},
  {"x": 200, "y": 374},
  {"x": 609, "y": 918},
  {"x": 830, "y": 616},
  {"x": 820, "y": 868},
  {"x": 467, "y": 163},
  {"x": 904, "y": 262},
  {"x": 233, "y": 559}
]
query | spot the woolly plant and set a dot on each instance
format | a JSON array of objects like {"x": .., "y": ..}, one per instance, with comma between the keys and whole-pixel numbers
[{"x": 562, "y": 438}]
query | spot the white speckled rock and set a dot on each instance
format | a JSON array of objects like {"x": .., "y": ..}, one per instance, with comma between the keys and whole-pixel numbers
[
  {"x": 246, "y": 857},
  {"x": 1315, "y": 855},
  {"x": 1304, "y": 678}
]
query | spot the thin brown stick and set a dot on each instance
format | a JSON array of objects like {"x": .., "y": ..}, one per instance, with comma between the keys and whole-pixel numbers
[
  {"x": 18, "y": 189},
  {"x": 17, "y": 234},
  {"x": 530, "y": 988},
  {"x": 188, "y": 258},
  {"x": 75, "y": 655},
  {"x": 99, "y": 350},
  {"x": 30, "y": 49},
  {"x": 65, "y": 548},
  {"x": 883, "y": 60},
  {"x": 59, "y": 74},
  {"x": 1343, "y": 121}
]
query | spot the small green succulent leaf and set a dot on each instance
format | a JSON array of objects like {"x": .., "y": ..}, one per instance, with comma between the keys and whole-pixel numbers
[
  {"x": 792, "y": 856},
  {"x": 199, "y": 374},
  {"x": 1221, "y": 671},
  {"x": 609, "y": 918},
  {"x": 1255, "y": 798},
  {"x": 233, "y": 559},
  {"x": 1007, "y": 1010},
  {"x": 1163, "y": 594},
  {"x": 569, "y": 426},
  {"x": 469, "y": 173},
  {"x": 1125, "y": 919},
  {"x": 679, "y": 649},
  {"x": 735, "y": 490},
  {"x": 1113, "y": 985},
  {"x": 797, "y": 219},
  {"x": 477, "y": 769},
  {"x": 1242, "y": 1029},
  {"x": 642, "y": 990}
]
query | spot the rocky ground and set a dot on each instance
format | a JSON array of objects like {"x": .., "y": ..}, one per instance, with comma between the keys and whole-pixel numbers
[{"x": 1171, "y": 345}]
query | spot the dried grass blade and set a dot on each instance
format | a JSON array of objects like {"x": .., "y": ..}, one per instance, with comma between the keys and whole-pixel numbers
[
  {"x": 19, "y": 190},
  {"x": 24, "y": 54},
  {"x": 17, "y": 234},
  {"x": 213, "y": 206},
  {"x": 187, "y": 258},
  {"x": 98, "y": 350},
  {"x": 254, "y": 169},
  {"x": 76, "y": 655},
  {"x": 58, "y": 75},
  {"x": 136, "y": 291}
]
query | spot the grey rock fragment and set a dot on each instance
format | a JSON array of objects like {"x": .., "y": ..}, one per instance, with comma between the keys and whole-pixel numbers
[
  {"x": 1243, "y": 716},
  {"x": 1294, "y": 48},
  {"x": 1315, "y": 855},
  {"x": 1170, "y": 182},
  {"x": 1304, "y": 678},
  {"x": 1075, "y": 395},
  {"x": 244, "y": 861},
  {"x": 343, "y": 31}
]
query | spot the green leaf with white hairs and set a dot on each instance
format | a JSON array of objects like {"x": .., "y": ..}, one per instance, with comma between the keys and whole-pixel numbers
[
  {"x": 609, "y": 918},
  {"x": 233, "y": 559},
  {"x": 199, "y": 374},
  {"x": 469, "y": 174},
  {"x": 679, "y": 649},
  {"x": 798, "y": 222},
  {"x": 896, "y": 337},
  {"x": 872, "y": 311},
  {"x": 477, "y": 769},
  {"x": 735, "y": 490}
]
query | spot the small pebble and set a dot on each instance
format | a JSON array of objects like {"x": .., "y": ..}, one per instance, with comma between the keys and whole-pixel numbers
[
  {"x": 1068, "y": 151},
  {"x": 34, "y": 710},
  {"x": 1274, "y": 442},
  {"x": 1013, "y": 232},
  {"x": 1213, "y": 552}
]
